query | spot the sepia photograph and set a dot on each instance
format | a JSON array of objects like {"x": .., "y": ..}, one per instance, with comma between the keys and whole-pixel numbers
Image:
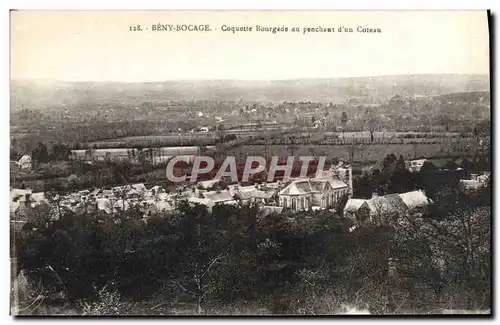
[{"x": 250, "y": 163}]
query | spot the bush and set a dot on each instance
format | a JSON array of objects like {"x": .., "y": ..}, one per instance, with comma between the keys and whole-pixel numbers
[{"x": 107, "y": 303}]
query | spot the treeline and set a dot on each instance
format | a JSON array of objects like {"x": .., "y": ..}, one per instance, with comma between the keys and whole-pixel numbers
[
  {"x": 41, "y": 154},
  {"x": 84, "y": 122},
  {"x": 305, "y": 263},
  {"x": 77, "y": 175},
  {"x": 394, "y": 177}
]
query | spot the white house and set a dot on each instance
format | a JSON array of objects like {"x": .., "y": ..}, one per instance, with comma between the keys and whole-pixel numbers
[
  {"x": 25, "y": 162},
  {"x": 219, "y": 197},
  {"x": 253, "y": 194},
  {"x": 476, "y": 181},
  {"x": 154, "y": 207},
  {"x": 415, "y": 165},
  {"x": 303, "y": 194}
]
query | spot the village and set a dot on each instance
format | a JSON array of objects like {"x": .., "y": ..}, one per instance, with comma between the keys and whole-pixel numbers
[{"x": 330, "y": 189}]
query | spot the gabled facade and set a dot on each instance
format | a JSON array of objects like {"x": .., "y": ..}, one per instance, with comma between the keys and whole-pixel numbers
[{"x": 303, "y": 194}]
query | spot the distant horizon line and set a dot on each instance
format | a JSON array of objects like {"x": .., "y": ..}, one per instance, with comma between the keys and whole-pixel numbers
[{"x": 250, "y": 80}]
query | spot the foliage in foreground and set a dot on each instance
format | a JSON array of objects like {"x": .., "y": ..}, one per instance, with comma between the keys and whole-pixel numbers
[{"x": 307, "y": 263}]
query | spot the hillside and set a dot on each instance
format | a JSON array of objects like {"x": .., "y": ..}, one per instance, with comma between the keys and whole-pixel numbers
[{"x": 39, "y": 94}]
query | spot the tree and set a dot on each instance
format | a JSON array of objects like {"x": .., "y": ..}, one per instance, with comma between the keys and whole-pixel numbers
[
  {"x": 55, "y": 197},
  {"x": 40, "y": 154},
  {"x": 221, "y": 129},
  {"x": 372, "y": 124},
  {"x": 344, "y": 119},
  {"x": 389, "y": 162},
  {"x": 456, "y": 252},
  {"x": 307, "y": 262},
  {"x": 122, "y": 172},
  {"x": 201, "y": 252},
  {"x": 60, "y": 152},
  {"x": 363, "y": 187},
  {"x": 400, "y": 178},
  {"x": 89, "y": 154},
  {"x": 354, "y": 149},
  {"x": 14, "y": 155}
]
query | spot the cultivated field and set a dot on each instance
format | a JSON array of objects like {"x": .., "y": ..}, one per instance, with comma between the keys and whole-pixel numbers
[
  {"x": 274, "y": 136},
  {"x": 361, "y": 153}
]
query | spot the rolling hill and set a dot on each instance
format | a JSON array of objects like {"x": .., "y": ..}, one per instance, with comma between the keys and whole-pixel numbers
[{"x": 39, "y": 93}]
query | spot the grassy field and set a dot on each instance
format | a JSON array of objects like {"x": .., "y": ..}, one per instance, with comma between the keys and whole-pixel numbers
[
  {"x": 298, "y": 135},
  {"x": 361, "y": 153}
]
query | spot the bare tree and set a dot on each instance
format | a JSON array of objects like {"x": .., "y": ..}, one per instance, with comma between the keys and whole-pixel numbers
[
  {"x": 203, "y": 286},
  {"x": 372, "y": 124}
]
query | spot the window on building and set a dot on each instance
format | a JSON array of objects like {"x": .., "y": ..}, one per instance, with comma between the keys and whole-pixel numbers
[{"x": 294, "y": 204}]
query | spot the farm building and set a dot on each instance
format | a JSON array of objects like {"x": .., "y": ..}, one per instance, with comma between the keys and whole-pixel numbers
[{"x": 386, "y": 209}]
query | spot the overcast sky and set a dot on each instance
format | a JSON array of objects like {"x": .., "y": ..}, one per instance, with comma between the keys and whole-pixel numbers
[{"x": 98, "y": 46}]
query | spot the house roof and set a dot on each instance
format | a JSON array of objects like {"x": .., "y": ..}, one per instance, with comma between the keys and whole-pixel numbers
[
  {"x": 304, "y": 187},
  {"x": 390, "y": 203},
  {"x": 314, "y": 185},
  {"x": 25, "y": 159},
  {"x": 156, "y": 188},
  {"x": 154, "y": 205},
  {"x": 440, "y": 162},
  {"x": 218, "y": 196},
  {"x": 254, "y": 193},
  {"x": 207, "y": 184},
  {"x": 415, "y": 199},
  {"x": 387, "y": 204},
  {"x": 95, "y": 192},
  {"x": 336, "y": 183},
  {"x": 319, "y": 185},
  {"x": 300, "y": 187},
  {"x": 16, "y": 194},
  {"x": 353, "y": 205},
  {"x": 104, "y": 204},
  {"x": 38, "y": 196},
  {"x": 195, "y": 200},
  {"x": 139, "y": 187}
]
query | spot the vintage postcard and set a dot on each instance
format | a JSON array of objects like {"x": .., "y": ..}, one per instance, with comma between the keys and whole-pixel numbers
[{"x": 250, "y": 163}]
